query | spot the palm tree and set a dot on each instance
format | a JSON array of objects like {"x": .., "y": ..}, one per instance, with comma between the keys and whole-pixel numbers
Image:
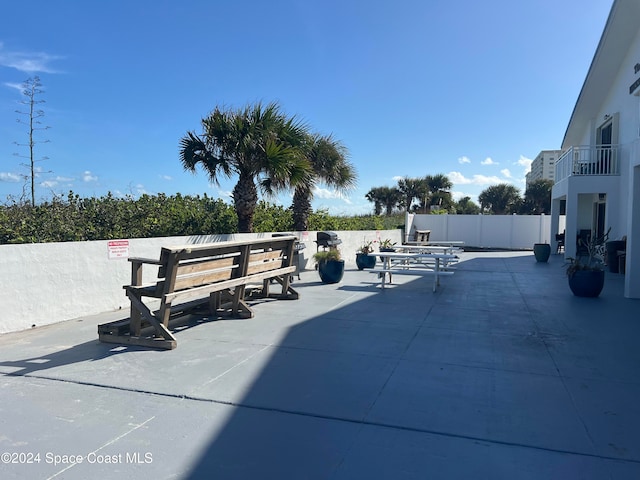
[
  {"x": 537, "y": 197},
  {"x": 500, "y": 199},
  {"x": 410, "y": 188},
  {"x": 375, "y": 196},
  {"x": 328, "y": 160},
  {"x": 465, "y": 206},
  {"x": 387, "y": 197},
  {"x": 259, "y": 144},
  {"x": 439, "y": 187},
  {"x": 391, "y": 197}
]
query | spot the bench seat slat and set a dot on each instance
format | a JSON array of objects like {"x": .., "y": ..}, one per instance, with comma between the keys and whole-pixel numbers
[{"x": 225, "y": 285}]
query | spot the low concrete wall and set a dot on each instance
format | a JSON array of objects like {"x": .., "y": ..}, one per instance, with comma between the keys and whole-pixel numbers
[{"x": 46, "y": 283}]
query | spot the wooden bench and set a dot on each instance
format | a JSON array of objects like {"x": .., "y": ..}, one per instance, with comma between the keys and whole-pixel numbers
[{"x": 215, "y": 274}]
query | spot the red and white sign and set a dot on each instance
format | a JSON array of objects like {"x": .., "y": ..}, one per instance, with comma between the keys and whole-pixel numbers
[{"x": 118, "y": 249}]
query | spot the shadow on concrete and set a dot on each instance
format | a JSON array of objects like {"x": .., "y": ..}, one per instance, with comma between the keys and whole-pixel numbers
[
  {"x": 85, "y": 352},
  {"x": 489, "y": 376}
]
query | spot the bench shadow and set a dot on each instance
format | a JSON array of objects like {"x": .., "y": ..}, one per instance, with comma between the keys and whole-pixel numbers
[{"x": 84, "y": 352}]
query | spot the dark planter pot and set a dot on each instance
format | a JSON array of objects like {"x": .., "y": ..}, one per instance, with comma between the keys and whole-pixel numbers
[
  {"x": 331, "y": 271},
  {"x": 365, "y": 261},
  {"x": 587, "y": 283},
  {"x": 386, "y": 250},
  {"x": 542, "y": 252}
]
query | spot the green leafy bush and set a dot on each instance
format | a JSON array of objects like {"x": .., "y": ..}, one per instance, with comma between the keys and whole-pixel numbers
[{"x": 72, "y": 218}]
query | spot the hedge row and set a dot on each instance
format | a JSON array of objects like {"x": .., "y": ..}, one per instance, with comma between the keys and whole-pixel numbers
[{"x": 73, "y": 218}]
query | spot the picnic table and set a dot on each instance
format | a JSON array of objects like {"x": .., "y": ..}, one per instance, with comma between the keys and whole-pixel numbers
[
  {"x": 445, "y": 249},
  {"x": 436, "y": 264}
]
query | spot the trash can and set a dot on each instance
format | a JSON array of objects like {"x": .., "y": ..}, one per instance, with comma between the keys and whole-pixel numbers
[{"x": 612, "y": 254}]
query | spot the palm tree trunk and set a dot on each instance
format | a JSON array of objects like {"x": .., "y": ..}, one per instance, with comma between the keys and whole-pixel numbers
[
  {"x": 245, "y": 200},
  {"x": 301, "y": 209}
]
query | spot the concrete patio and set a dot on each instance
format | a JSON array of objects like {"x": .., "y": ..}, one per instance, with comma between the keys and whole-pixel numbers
[{"x": 501, "y": 374}]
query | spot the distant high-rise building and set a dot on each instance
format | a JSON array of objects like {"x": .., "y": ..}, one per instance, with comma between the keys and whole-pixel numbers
[{"x": 544, "y": 166}]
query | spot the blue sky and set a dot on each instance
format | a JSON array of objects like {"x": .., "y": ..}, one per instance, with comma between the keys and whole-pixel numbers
[{"x": 474, "y": 90}]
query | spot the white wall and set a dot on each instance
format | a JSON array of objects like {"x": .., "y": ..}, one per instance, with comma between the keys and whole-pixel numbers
[
  {"x": 487, "y": 231},
  {"x": 50, "y": 282}
]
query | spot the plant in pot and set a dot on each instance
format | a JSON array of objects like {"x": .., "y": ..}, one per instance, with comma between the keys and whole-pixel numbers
[
  {"x": 330, "y": 265},
  {"x": 386, "y": 245},
  {"x": 363, "y": 259},
  {"x": 586, "y": 271}
]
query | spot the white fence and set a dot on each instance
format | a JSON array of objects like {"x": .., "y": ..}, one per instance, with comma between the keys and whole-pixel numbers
[
  {"x": 46, "y": 283},
  {"x": 487, "y": 231}
]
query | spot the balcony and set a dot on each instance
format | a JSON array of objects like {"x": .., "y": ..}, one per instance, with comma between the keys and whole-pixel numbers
[{"x": 588, "y": 160}]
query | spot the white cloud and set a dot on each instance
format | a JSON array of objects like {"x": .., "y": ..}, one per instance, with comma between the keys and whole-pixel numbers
[
  {"x": 48, "y": 183},
  {"x": 458, "y": 195},
  {"x": 9, "y": 177},
  {"x": 140, "y": 190},
  {"x": 16, "y": 86},
  {"x": 166, "y": 177},
  {"x": 458, "y": 178},
  {"x": 488, "y": 161},
  {"x": 88, "y": 177},
  {"x": 324, "y": 193},
  {"x": 525, "y": 162},
  {"x": 225, "y": 194},
  {"x": 463, "y": 160},
  {"x": 505, "y": 172},
  {"x": 64, "y": 179},
  {"x": 397, "y": 178},
  {"x": 28, "y": 62}
]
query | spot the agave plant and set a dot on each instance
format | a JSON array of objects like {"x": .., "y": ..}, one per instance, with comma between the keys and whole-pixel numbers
[{"x": 594, "y": 258}]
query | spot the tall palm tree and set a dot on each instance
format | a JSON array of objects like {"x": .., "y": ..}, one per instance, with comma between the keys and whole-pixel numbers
[
  {"x": 410, "y": 188},
  {"x": 328, "y": 160},
  {"x": 260, "y": 144},
  {"x": 439, "y": 189}
]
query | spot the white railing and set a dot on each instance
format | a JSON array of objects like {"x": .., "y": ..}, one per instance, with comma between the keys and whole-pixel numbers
[{"x": 588, "y": 160}]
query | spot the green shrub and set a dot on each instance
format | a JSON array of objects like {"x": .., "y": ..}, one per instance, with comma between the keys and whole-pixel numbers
[{"x": 72, "y": 218}]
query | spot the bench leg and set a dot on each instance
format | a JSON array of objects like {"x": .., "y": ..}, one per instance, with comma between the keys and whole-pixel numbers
[
  {"x": 233, "y": 304},
  {"x": 135, "y": 323},
  {"x": 288, "y": 293}
]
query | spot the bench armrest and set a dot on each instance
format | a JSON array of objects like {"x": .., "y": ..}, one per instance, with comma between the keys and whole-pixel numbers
[
  {"x": 136, "y": 268},
  {"x": 150, "y": 261}
]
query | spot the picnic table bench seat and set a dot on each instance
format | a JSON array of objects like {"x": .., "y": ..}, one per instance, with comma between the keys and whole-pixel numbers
[{"x": 215, "y": 275}]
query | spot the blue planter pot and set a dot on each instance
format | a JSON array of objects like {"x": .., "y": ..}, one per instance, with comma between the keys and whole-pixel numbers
[
  {"x": 365, "y": 261},
  {"x": 331, "y": 271},
  {"x": 542, "y": 252},
  {"x": 587, "y": 283}
]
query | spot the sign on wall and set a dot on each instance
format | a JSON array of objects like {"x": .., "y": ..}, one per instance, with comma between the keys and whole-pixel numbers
[{"x": 118, "y": 249}]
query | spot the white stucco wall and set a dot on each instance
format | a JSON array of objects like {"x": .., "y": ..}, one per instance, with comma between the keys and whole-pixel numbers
[{"x": 51, "y": 282}]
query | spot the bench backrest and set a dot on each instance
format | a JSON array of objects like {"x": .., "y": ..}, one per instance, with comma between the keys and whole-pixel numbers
[{"x": 192, "y": 266}]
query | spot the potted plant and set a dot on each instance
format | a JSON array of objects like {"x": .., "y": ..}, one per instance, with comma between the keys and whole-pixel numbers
[
  {"x": 363, "y": 259},
  {"x": 542, "y": 251},
  {"x": 586, "y": 271},
  {"x": 386, "y": 245},
  {"x": 330, "y": 265}
]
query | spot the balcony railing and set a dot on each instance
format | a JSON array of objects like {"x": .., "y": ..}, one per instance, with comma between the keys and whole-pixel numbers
[{"x": 588, "y": 160}]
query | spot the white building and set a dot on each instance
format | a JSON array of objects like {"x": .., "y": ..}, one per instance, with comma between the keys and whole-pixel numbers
[
  {"x": 598, "y": 175},
  {"x": 543, "y": 166}
]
